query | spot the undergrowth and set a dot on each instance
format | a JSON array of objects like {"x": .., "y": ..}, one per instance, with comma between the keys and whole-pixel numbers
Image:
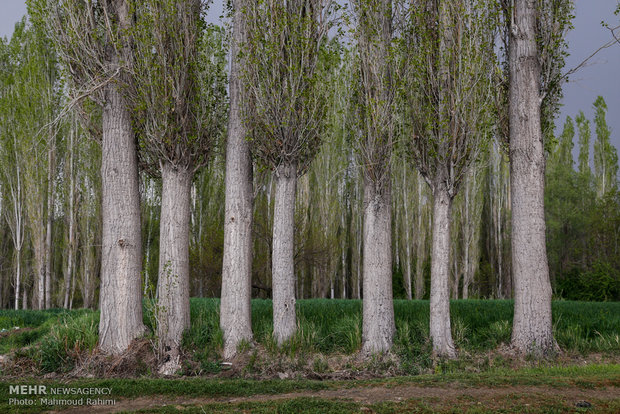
[{"x": 327, "y": 330}]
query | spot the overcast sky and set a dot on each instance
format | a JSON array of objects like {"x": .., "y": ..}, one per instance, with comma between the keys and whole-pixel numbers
[{"x": 600, "y": 77}]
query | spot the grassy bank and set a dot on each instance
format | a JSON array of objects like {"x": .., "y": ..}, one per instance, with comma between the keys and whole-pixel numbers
[{"x": 54, "y": 339}]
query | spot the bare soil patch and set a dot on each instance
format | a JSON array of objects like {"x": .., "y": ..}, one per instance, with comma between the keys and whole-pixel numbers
[{"x": 435, "y": 397}]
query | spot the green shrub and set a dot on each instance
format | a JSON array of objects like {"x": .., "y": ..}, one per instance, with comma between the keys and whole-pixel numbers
[
  {"x": 66, "y": 341},
  {"x": 600, "y": 283}
]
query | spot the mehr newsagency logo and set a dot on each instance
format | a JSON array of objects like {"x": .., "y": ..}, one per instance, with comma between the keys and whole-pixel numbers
[{"x": 44, "y": 395}]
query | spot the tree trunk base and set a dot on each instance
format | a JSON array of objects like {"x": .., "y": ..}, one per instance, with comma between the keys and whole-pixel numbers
[{"x": 171, "y": 367}]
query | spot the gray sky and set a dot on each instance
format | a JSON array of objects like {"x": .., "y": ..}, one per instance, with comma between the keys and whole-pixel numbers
[{"x": 600, "y": 77}]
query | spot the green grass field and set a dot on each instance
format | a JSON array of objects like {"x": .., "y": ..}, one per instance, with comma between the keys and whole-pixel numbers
[
  {"x": 481, "y": 380},
  {"x": 54, "y": 338}
]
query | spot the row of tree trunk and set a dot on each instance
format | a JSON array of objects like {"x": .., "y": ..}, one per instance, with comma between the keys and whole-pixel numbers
[
  {"x": 532, "y": 325},
  {"x": 121, "y": 264}
]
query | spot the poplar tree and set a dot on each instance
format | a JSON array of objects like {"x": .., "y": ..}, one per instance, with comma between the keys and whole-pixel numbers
[
  {"x": 535, "y": 44},
  {"x": 605, "y": 154},
  {"x": 375, "y": 97},
  {"x": 180, "y": 103},
  {"x": 31, "y": 93},
  {"x": 93, "y": 43},
  {"x": 235, "y": 307},
  {"x": 284, "y": 78},
  {"x": 447, "y": 65},
  {"x": 584, "y": 134}
]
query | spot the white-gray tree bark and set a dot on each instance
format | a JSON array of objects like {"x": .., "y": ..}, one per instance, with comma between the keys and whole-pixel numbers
[
  {"x": 408, "y": 247},
  {"x": 532, "y": 325},
  {"x": 421, "y": 249},
  {"x": 50, "y": 216},
  {"x": 121, "y": 264},
  {"x": 72, "y": 244},
  {"x": 440, "y": 332},
  {"x": 283, "y": 260},
  {"x": 173, "y": 282},
  {"x": 378, "y": 325},
  {"x": 235, "y": 306}
]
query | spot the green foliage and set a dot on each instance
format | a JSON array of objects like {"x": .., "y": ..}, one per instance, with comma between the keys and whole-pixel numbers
[
  {"x": 67, "y": 341},
  {"x": 207, "y": 232},
  {"x": 373, "y": 86},
  {"x": 285, "y": 62},
  {"x": 328, "y": 326},
  {"x": 59, "y": 338},
  {"x": 179, "y": 83},
  {"x": 605, "y": 154},
  {"x": 587, "y": 327},
  {"x": 553, "y": 22},
  {"x": 398, "y": 284},
  {"x": 446, "y": 63},
  {"x": 582, "y": 214},
  {"x": 54, "y": 339},
  {"x": 412, "y": 344},
  {"x": 27, "y": 318},
  {"x": 583, "y": 125},
  {"x": 32, "y": 326},
  {"x": 600, "y": 283}
]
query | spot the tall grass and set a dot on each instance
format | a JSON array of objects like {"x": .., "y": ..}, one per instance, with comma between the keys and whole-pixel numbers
[
  {"x": 324, "y": 326},
  {"x": 67, "y": 341},
  {"x": 22, "y": 328}
]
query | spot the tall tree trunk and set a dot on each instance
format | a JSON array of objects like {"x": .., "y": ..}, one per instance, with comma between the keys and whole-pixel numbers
[
  {"x": 69, "y": 274},
  {"x": 39, "y": 266},
  {"x": 343, "y": 257},
  {"x": 500, "y": 248},
  {"x": 50, "y": 217},
  {"x": 121, "y": 265},
  {"x": 532, "y": 327},
  {"x": 73, "y": 283},
  {"x": 467, "y": 231},
  {"x": 18, "y": 276},
  {"x": 456, "y": 273},
  {"x": 87, "y": 258},
  {"x": 235, "y": 307},
  {"x": 378, "y": 308},
  {"x": 120, "y": 296},
  {"x": 72, "y": 224},
  {"x": 173, "y": 283},
  {"x": 283, "y": 260},
  {"x": 407, "y": 273},
  {"x": 441, "y": 334},
  {"x": 358, "y": 241},
  {"x": 420, "y": 245}
]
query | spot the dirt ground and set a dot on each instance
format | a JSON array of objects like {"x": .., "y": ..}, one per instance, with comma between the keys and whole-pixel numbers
[{"x": 434, "y": 397}]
